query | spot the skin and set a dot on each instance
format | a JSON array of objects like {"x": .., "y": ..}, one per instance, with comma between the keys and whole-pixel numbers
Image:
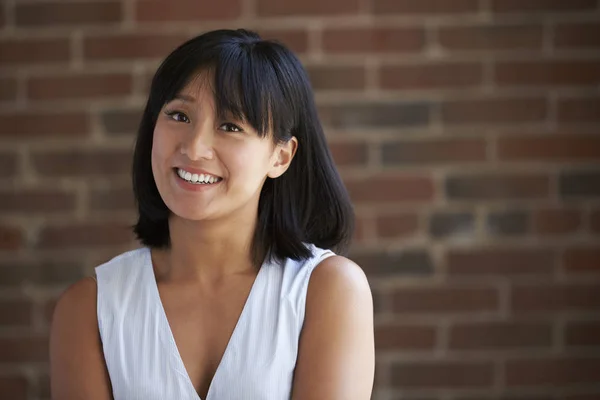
[{"x": 206, "y": 275}]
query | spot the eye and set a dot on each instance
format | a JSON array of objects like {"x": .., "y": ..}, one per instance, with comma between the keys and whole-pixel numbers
[
  {"x": 178, "y": 116},
  {"x": 229, "y": 127}
]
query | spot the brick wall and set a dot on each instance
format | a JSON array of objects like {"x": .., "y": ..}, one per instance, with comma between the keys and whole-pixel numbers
[{"x": 467, "y": 133}]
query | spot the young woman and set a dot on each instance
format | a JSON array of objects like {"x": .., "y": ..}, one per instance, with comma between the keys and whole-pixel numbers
[{"x": 236, "y": 292}]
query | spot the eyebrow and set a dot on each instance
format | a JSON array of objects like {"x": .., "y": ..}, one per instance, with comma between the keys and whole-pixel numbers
[{"x": 185, "y": 97}]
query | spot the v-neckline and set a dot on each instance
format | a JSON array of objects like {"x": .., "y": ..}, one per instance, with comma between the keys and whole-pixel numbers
[{"x": 163, "y": 315}]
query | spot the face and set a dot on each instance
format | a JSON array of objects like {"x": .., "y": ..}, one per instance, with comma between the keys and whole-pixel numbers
[{"x": 209, "y": 168}]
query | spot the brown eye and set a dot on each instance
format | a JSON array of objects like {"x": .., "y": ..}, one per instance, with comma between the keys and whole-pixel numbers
[
  {"x": 229, "y": 127},
  {"x": 178, "y": 116}
]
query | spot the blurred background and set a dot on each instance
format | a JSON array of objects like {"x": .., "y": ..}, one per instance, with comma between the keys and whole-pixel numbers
[{"x": 467, "y": 132}]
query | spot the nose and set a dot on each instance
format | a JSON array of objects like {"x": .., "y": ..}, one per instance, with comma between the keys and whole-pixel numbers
[{"x": 199, "y": 142}]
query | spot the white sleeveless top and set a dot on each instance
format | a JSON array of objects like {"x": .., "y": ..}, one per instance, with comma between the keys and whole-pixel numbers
[{"x": 139, "y": 348}]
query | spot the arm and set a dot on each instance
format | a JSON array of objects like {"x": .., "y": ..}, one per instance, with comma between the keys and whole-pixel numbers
[
  {"x": 336, "y": 356},
  {"x": 77, "y": 368}
]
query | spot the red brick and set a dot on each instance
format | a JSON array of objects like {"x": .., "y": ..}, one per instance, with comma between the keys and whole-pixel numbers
[
  {"x": 15, "y": 313},
  {"x": 582, "y": 333},
  {"x": 431, "y": 76},
  {"x": 497, "y": 187},
  {"x": 120, "y": 121},
  {"x": 187, "y": 10},
  {"x": 114, "y": 199},
  {"x": 399, "y": 225},
  {"x": 494, "y": 110},
  {"x": 82, "y": 163},
  {"x": 401, "y": 188},
  {"x": 131, "y": 46},
  {"x": 28, "y": 124},
  {"x": 552, "y": 371},
  {"x": 556, "y": 221},
  {"x": 23, "y": 349},
  {"x": 8, "y": 89},
  {"x": 36, "y": 201},
  {"x": 34, "y": 51},
  {"x": 434, "y": 151},
  {"x": 337, "y": 78},
  {"x": 14, "y": 387},
  {"x": 359, "y": 233},
  {"x": 79, "y": 86},
  {"x": 373, "y": 40},
  {"x": 271, "y": 8},
  {"x": 9, "y": 164},
  {"x": 404, "y": 337},
  {"x": 582, "y": 259},
  {"x": 349, "y": 153},
  {"x": 555, "y": 298},
  {"x": 558, "y": 147},
  {"x": 491, "y": 37},
  {"x": 445, "y": 300},
  {"x": 429, "y": 375},
  {"x": 295, "y": 40},
  {"x": 585, "y": 109},
  {"x": 500, "y": 335},
  {"x": 577, "y": 35},
  {"x": 595, "y": 221},
  {"x": 68, "y": 13},
  {"x": 556, "y": 73},
  {"x": 508, "y": 262},
  {"x": 536, "y": 6},
  {"x": 11, "y": 237},
  {"x": 426, "y": 7},
  {"x": 85, "y": 235}
]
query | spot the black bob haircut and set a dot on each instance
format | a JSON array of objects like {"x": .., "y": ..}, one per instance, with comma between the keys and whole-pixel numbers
[{"x": 263, "y": 83}]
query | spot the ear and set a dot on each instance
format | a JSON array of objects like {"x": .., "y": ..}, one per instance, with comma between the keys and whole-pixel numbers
[{"x": 282, "y": 157}]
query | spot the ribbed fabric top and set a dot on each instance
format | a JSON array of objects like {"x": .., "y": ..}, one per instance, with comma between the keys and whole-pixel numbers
[{"x": 141, "y": 354}]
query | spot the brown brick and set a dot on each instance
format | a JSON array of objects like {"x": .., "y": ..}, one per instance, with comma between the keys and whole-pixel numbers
[
  {"x": 579, "y": 184},
  {"x": 577, "y": 35},
  {"x": 555, "y": 298},
  {"x": 81, "y": 163},
  {"x": 8, "y": 89},
  {"x": 429, "y": 375},
  {"x": 396, "y": 225},
  {"x": 41, "y": 272},
  {"x": 497, "y": 187},
  {"x": 36, "y": 201},
  {"x": 448, "y": 224},
  {"x": 404, "y": 337},
  {"x": 500, "y": 335},
  {"x": 508, "y": 223},
  {"x": 582, "y": 259},
  {"x": 592, "y": 395},
  {"x": 556, "y": 221},
  {"x": 431, "y": 76},
  {"x": 559, "y": 147},
  {"x": 9, "y": 164},
  {"x": 85, "y": 235},
  {"x": 118, "y": 122},
  {"x": 113, "y": 199},
  {"x": 491, "y": 37},
  {"x": 424, "y": 7},
  {"x": 23, "y": 349},
  {"x": 337, "y": 78},
  {"x": 349, "y": 153},
  {"x": 582, "y": 333},
  {"x": 15, "y": 313},
  {"x": 2, "y": 17},
  {"x": 295, "y": 40},
  {"x": 68, "y": 13},
  {"x": 187, "y": 10},
  {"x": 373, "y": 40},
  {"x": 79, "y": 86},
  {"x": 401, "y": 188},
  {"x": 537, "y": 6},
  {"x": 369, "y": 114},
  {"x": 444, "y": 300},
  {"x": 595, "y": 221},
  {"x": 14, "y": 387},
  {"x": 507, "y": 262},
  {"x": 385, "y": 265},
  {"x": 34, "y": 51},
  {"x": 494, "y": 110},
  {"x": 28, "y": 124},
  {"x": 556, "y": 73},
  {"x": 584, "y": 109},
  {"x": 130, "y": 46},
  {"x": 434, "y": 151},
  {"x": 552, "y": 371},
  {"x": 11, "y": 237},
  {"x": 359, "y": 233},
  {"x": 271, "y": 8}
]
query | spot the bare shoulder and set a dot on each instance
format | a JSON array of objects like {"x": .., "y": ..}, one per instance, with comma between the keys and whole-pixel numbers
[
  {"x": 339, "y": 275},
  {"x": 77, "y": 298}
]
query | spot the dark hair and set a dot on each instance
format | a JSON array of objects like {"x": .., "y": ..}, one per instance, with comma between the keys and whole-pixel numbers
[{"x": 262, "y": 82}]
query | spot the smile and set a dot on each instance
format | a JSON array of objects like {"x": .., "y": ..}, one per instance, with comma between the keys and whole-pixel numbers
[{"x": 197, "y": 179}]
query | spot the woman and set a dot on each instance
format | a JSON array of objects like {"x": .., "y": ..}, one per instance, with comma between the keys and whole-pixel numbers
[{"x": 237, "y": 292}]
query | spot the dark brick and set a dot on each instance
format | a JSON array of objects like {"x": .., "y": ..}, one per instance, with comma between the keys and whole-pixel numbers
[
  {"x": 187, "y": 10},
  {"x": 375, "y": 115},
  {"x": 569, "y": 147},
  {"x": 271, "y": 8},
  {"x": 579, "y": 110},
  {"x": 543, "y": 73},
  {"x": 579, "y": 184},
  {"x": 500, "y": 37},
  {"x": 121, "y": 121},
  {"x": 424, "y": 7},
  {"x": 428, "y": 76},
  {"x": 443, "y": 374},
  {"x": 44, "y": 272},
  {"x": 582, "y": 333},
  {"x": 577, "y": 35},
  {"x": 132, "y": 46},
  {"x": 14, "y": 387},
  {"x": 9, "y": 164},
  {"x": 79, "y": 86},
  {"x": 373, "y": 40},
  {"x": 408, "y": 262},
  {"x": 15, "y": 313},
  {"x": 29, "y": 125},
  {"x": 8, "y": 89},
  {"x": 85, "y": 235},
  {"x": 555, "y": 221},
  {"x": 501, "y": 187},
  {"x": 81, "y": 163},
  {"x": 325, "y": 77},
  {"x": 505, "y": 262},
  {"x": 582, "y": 259},
  {"x": 23, "y": 349},
  {"x": 68, "y": 13},
  {"x": 113, "y": 199},
  {"x": 500, "y": 335},
  {"x": 494, "y": 111},
  {"x": 404, "y": 337},
  {"x": 11, "y": 237},
  {"x": 34, "y": 51},
  {"x": 537, "y": 6},
  {"x": 438, "y": 151},
  {"x": 555, "y": 298},
  {"x": 508, "y": 223},
  {"x": 445, "y": 300},
  {"x": 36, "y": 201},
  {"x": 552, "y": 371},
  {"x": 295, "y": 40},
  {"x": 398, "y": 225},
  {"x": 349, "y": 153},
  {"x": 387, "y": 189},
  {"x": 445, "y": 224}
]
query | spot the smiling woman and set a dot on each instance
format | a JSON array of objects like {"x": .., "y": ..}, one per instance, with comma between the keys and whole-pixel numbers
[{"x": 237, "y": 291}]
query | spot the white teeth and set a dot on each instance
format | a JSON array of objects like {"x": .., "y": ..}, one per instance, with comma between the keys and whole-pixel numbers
[
  {"x": 188, "y": 176},
  {"x": 197, "y": 178},
  {"x": 201, "y": 178}
]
